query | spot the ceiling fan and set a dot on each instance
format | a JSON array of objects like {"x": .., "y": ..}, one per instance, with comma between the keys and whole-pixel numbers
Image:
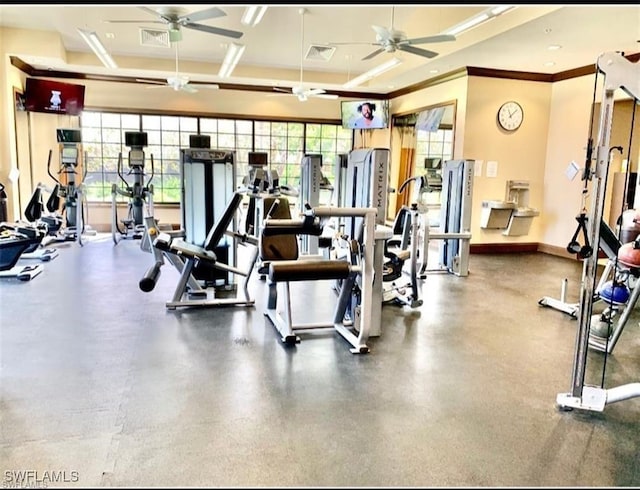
[
  {"x": 390, "y": 40},
  {"x": 300, "y": 91},
  {"x": 178, "y": 82},
  {"x": 172, "y": 17}
]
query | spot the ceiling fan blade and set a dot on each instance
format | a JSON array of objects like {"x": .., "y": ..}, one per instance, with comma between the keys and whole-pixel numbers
[
  {"x": 211, "y": 86},
  {"x": 166, "y": 18},
  {"x": 326, "y": 96},
  {"x": 314, "y": 91},
  {"x": 371, "y": 55},
  {"x": 439, "y": 38},
  {"x": 215, "y": 30},
  {"x": 189, "y": 88},
  {"x": 210, "y": 13},
  {"x": 419, "y": 51},
  {"x": 352, "y": 44},
  {"x": 134, "y": 22},
  {"x": 382, "y": 32},
  {"x": 152, "y": 82}
]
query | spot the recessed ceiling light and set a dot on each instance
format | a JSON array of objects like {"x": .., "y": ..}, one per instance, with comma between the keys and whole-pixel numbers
[
  {"x": 110, "y": 35},
  {"x": 549, "y": 63},
  {"x": 554, "y": 47},
  {"x": 434, "y": 71}
]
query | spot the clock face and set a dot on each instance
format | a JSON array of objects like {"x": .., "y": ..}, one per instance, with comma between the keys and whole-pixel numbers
[{"x": 510, "y": 116}]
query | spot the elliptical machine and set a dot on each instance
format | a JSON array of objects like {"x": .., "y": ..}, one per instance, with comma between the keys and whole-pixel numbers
[
  {"x": 67, "y": 199},
  {"x": 140, "y": 194}
]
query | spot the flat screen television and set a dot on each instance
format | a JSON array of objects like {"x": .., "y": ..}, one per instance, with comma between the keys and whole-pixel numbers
[
  {"x": 365, "y": 114},
  {"x": 53, "y": 97},
  {"x": 432, "y": 162}
]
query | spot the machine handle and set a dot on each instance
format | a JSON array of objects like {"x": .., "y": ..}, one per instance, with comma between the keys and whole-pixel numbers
[{"x": 149, "y": 280}]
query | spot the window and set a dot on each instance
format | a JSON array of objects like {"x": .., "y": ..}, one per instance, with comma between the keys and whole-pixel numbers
[
  {"x": 433, "y": 144},
  {"x": 285, "y": 142}
]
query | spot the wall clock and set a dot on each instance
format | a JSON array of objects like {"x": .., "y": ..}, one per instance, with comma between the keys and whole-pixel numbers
[{"x": 510, "y": 115}]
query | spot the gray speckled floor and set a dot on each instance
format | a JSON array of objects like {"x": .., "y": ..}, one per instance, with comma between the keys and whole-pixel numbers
[{"x": 101, "y": 385}]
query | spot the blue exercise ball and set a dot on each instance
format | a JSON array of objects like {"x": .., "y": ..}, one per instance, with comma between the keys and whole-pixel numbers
[{"x": 614, "y": 293}]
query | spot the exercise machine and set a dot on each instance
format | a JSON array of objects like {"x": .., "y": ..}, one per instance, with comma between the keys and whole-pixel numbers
[
  {"x": 67, "y": 201},
  {"x": 262, "y": 186},
  {"x": 14, "y": 241},
  {"x": 367, "y": 186},
  {"x": 404, "y": 247},
  {"x": 619, "y": 73},
  {"x": 353, "y": 316},
  {"x": 312, "y": 183},
  {"x": 36, "y": 251},
  {"x": 208, "y": 179},
  {"x": 139, "y": 193},
  {"x": 454, "y": 230},
  {"x": 191, "y": 290}
]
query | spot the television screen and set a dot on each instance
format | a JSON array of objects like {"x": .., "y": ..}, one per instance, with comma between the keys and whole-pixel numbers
[
  {"x": 258, "y": 159},
  {"x": 368, "y": 114},
  {"x": 53, "y": 97},
  {"x": 432, "y": 162}
]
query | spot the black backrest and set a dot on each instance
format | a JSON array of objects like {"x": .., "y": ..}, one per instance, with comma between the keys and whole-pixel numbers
[{"x": 217, "y": 232}]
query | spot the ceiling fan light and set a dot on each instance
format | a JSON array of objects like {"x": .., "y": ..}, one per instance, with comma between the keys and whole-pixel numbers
[
  {"x": 175, "y": 35},
  {"x": 234, "y": 53},
  {"x": 253, "y": 14},
  {"x": 92, "y": 39}
]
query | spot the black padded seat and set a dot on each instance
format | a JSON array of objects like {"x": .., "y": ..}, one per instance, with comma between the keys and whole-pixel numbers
[{"x": 308, "y": 270}]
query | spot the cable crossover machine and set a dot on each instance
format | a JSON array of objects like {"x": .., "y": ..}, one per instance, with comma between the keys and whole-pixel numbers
[{"x": 619, "y": 73}]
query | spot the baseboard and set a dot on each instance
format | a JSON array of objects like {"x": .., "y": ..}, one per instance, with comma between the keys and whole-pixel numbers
[
  {"x": 557, "y": 251},
  {"x": 502, "y": 248},
  {"x": 507, "y": 248}
]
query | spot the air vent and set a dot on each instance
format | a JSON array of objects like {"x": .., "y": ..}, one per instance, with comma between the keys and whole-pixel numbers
[
  {"x": 320, "y": 53},
  {"x": 154, "y": 38}
]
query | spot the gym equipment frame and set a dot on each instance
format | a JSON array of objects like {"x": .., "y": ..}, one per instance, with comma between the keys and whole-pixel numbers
[{"x": 619, "y": 73}]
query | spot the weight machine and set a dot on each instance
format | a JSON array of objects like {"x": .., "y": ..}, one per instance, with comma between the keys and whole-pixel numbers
[
  {"x": 354, "y": 315},
  {"x": 208, "y": 179},
  {"x": 455, "y": 220},
  {"x": 262, "y": 186},
  {"x": 312, "y": 183},
  {"x": 404, "y": 246},
  {"x": 140, "y": 194},
  {"x": 185, "y": 256},
  {"x": 619, "y": 73}
]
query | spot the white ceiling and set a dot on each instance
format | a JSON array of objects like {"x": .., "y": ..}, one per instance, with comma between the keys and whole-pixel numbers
[{"x": 517, "y": 40}]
